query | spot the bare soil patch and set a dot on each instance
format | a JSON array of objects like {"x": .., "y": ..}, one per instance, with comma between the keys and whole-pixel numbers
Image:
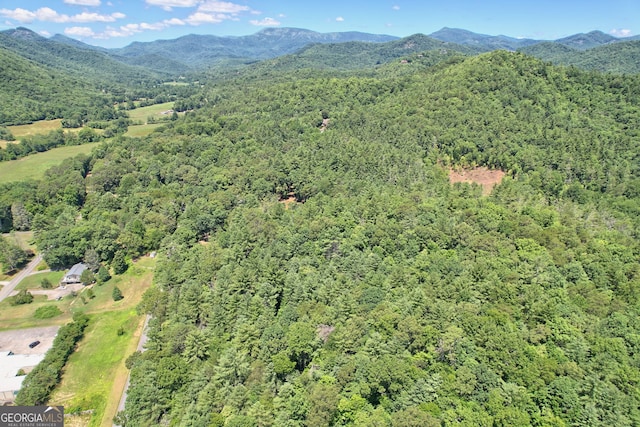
[
  {"x": 288, "y": 201},
  {"x": 487, "y": 178}
]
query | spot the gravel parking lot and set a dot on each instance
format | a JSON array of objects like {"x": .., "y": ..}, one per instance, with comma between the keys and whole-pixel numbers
[{"x": 18, "y": 340}]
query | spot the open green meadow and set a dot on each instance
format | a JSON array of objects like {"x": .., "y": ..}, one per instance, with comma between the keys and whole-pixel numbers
[
  {"x": 34, "y": 281},
  {"x": 91, "y": 370},
  {"x": 141, "y": 115},
  {"x": 138, "y": 131},
  {"x": 35, "y": 165},
  {"x": 23, "y": 316},
  {"x": 95, "y": 374},
  {"x": 156, "y": 110},
  {"x": 37, "y": 128}
]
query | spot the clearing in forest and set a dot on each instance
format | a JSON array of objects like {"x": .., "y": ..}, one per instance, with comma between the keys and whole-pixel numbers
[
  {"x": 487, "y": 178},
  {"x": 35, "y": 165},
  {"x": 37, "y": 128}
]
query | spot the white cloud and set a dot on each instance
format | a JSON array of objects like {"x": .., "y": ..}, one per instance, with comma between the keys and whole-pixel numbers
[
  {"x": 79, "y": 32},
  {"x": 266, "y": 22},
  {"x": 222, "y": 7},
  {"x": 200, "y": 18},
  {"x": 168, "y": 4},
  {"x": 47, "y": 14},
  {"x": 340, "y": 19},
  {"x": 83, "y": 2},
  {"x": 18, "y": 14},
  {"x": 620, "y": 32},
  {"x": 396, "y": 7},
  {"x": 95, "y": 17}
]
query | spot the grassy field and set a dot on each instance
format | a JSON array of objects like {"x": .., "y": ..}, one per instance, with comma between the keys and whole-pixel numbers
[
  {"x": 138, "y": 131},
  {"x": 91, "y": 370},
  {"x": 143, "y": 113},
  {"x": 34, "y": 166},
  {"x": 34, "y": 281},
  {"x": 37, "y": 128},
  {"x": 21, "y": 316},
  {"x": 152, "y": 110},
  {"x": 95, "y": 374}
]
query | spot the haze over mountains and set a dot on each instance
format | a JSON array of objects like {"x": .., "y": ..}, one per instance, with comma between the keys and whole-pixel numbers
[{"x": 595, "y": 50}]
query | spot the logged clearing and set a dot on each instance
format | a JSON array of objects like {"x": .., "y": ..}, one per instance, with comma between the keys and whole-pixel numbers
[
  {"x": 487, "y": 178},
  {"x": 34, "y": 165}
]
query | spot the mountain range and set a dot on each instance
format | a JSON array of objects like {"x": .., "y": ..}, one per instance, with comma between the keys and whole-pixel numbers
[{"x": 192, "y": 53}]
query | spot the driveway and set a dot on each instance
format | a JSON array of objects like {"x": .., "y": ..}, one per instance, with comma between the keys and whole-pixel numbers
[{"x": 8, "y": 288}]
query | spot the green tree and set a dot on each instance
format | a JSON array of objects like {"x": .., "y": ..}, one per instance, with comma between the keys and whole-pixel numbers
[
  {"x": 87, "y": 277},
  {"x": 119, "y": 263},
  {"x": 22, "y": 297},
  {"x": 116, "y": 294},
  {"x": 102, "y": 275},
  {"x": 92, "y": 260},
  {"x": 11, "y": 255}
]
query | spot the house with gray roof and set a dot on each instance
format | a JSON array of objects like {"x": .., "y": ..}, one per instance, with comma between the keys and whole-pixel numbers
[{"x": 73, "y": 275}]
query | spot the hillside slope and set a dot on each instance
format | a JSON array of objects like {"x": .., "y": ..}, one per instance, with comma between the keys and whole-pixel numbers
[{"x": 316, "y": 267}]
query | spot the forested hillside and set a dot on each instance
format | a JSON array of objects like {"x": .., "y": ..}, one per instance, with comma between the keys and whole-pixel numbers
[
  {"x": 316, "y": 267},
  {"x": 29, "y": 92},
  {"x": 618, "y": 58}
]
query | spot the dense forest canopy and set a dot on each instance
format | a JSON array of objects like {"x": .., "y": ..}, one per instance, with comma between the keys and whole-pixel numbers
[{"x": 379, "y": 294}]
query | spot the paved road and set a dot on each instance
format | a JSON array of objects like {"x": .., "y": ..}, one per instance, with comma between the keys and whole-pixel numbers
[
  {"x": 141, "y": 343},
  {"x": 7, "y": 289}
]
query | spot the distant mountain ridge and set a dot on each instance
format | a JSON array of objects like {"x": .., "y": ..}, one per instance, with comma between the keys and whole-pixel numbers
[
  {"x": 194, "y": 52},
  {"x": 205, "y": 50}
]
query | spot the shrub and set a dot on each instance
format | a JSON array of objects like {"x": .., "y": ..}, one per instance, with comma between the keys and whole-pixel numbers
[
  {"x": 23, "y": 297},
  {"x": 47, "y": 312},
  {"x": 46, "y": 283}
]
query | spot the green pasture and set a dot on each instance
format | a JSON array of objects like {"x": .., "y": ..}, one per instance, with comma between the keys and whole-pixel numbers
[
  {"x": 34, "y": 281},
  {"x": 22, "y": 316},
  {"x": 91, "y": 370},
  {"x": 95, "y": 374},
  {"x": 138, "y": 131},
  {"x": 35, "y": 165},
  {"x": 152, "y": 110},
  {"x": 37, "y": 128}
]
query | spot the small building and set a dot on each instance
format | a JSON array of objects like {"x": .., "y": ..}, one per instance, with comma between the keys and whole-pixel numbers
[
  {"x": 73, "y": 275},
  {"x": 10, "y": 366}
]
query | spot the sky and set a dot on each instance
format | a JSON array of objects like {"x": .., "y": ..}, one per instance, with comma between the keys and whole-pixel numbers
[{"x": 117, "y": 23}]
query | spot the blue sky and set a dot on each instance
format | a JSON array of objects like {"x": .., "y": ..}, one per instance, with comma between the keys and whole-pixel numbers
[{"x": 116, "y": 23}]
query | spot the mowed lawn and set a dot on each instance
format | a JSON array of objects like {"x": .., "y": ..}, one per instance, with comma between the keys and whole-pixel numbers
[
  {"x": 95, "y": 375},
  {"x": 34, "y": 281},
  {"x": 35, "y": 165}
]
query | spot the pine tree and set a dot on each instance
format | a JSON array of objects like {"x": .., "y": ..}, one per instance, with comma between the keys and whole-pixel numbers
[{"x": 116, "y": 294}]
